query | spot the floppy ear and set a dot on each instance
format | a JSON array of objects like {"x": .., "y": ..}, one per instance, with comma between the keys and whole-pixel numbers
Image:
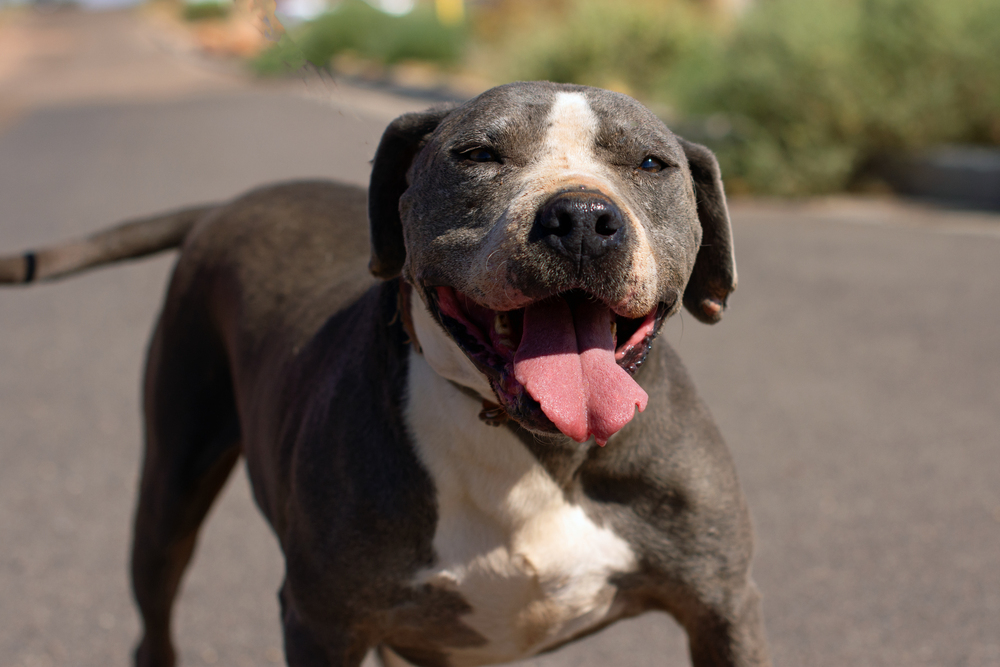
[
  {"x": 399, "y": 145},
  {"x": 714, "y": 276}
]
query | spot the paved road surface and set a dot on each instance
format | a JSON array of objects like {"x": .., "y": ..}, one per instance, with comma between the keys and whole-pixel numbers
[{"x": 856, "y": 378}]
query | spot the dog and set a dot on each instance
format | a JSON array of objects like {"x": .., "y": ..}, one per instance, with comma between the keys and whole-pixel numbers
[{"x": 470, "y": 450}]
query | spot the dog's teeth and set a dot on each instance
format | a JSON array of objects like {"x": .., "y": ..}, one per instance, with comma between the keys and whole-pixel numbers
[
  {"x": 501, "y": 324},
  {"x": 614, "y": 329}
]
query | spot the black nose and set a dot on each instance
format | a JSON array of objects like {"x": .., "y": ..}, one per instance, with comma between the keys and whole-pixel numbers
[{"x": 581, "y": 224}]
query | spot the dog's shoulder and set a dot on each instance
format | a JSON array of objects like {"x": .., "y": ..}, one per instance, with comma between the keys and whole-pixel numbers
[
  {"x": 277, "y": 261},
  {"x": 349, "y": 488}
]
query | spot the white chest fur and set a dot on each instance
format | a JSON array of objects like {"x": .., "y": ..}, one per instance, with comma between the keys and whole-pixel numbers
[{"x": 533, "y": 567}]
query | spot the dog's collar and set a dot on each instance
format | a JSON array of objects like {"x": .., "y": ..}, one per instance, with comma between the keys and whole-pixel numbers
[
  {"x": 492, "y": 413},
  {"x": 403, "y": 312}
]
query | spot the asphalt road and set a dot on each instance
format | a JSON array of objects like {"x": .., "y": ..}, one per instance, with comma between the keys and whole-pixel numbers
[{"x": 856, "y": 378}]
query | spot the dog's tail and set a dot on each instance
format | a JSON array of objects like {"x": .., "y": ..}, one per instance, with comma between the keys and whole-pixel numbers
[{"x": 136, "y": 238}]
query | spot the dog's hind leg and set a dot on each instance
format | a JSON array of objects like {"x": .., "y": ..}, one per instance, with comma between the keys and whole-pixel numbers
[{"x": 192, "y": 444}]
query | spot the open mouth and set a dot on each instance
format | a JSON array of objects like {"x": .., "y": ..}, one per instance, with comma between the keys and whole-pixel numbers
[{"x": 562, "y": 364}]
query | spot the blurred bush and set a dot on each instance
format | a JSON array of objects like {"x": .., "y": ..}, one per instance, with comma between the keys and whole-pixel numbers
[
  {"x": 357, "y": 28},
  {"x": 635, "y": 47},
  {"x": 811, "y": 95},
  {"x": 211, "y": 9}
]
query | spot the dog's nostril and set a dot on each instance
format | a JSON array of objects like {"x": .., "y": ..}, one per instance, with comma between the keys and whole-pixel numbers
[
  {"x": 558, "y": 222},
  {"x": 564, "y": 222},
  {"x": 607, "y": 225}
]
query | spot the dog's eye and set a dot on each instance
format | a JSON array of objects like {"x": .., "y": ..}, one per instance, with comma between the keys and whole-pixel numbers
[
  {"x": 480, "y": 154},
  {"x": 652, "y": 165}
]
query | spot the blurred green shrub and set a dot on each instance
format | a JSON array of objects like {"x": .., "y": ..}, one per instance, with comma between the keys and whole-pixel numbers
[
  {"x": 357, "y": 27},
  {"x": 796, "y": 97},
  {"x": 635, "y": 47},
  {"x": 200, "y": 11},
  {"x": 810, "y": 95}
]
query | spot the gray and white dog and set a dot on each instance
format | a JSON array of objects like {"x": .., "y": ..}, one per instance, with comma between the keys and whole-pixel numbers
[{"x": 480, "y": 454}]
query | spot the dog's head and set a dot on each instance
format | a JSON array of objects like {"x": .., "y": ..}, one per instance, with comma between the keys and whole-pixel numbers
[{"x": 549, "y": 230}]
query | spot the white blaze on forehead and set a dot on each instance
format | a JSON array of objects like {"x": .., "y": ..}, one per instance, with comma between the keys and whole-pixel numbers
[{"x": 568, "y": 145}]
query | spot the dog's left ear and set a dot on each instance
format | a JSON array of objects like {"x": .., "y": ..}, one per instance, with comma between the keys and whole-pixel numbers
[
  {"x": 714, "y": 276},
  {"x": 400, "y": 143}
]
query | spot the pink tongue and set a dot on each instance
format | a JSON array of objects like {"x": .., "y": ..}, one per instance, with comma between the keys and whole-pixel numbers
[{"x": 566, "y": 361}]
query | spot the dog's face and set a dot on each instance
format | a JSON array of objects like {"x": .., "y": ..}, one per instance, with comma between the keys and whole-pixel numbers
[{"x": 550, "y": 230}]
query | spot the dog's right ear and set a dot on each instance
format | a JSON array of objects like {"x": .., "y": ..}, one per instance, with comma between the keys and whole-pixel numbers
[{"x": 400, "y": 143}]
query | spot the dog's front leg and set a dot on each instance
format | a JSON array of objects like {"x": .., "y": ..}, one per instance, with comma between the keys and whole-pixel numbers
[
  {"x": 729, "y": 632},
  {"x": 337, "y": 647}
]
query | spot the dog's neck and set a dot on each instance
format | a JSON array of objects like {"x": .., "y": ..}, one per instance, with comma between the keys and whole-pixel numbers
[{"x": 442, "y": 353}]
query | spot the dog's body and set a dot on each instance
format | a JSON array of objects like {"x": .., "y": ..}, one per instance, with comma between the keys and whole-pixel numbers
[{"x": 367, "y": 409}]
